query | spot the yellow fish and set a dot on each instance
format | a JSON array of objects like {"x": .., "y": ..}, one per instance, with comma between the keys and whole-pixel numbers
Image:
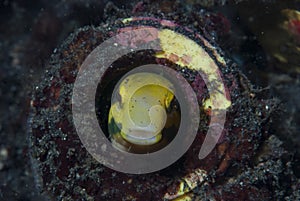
[{"x": 138, "y": 113}]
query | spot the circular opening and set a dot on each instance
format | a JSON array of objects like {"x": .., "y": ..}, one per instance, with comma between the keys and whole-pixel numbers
[{"x": 140, "y": 110}]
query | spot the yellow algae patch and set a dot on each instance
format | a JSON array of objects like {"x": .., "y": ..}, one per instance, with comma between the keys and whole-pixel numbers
[
  {"x": 186, "y": 185},
  {"x": 185, "y": 198},
  {"x": 177, "y": 48},
  {"x": 127, "y": 20}
]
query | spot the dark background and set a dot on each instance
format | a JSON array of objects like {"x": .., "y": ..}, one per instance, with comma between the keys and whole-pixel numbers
[{"x": 31, "y": 30}]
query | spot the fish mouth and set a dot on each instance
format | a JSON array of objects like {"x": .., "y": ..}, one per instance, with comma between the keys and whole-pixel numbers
[{"x": 142, "y": 136}]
